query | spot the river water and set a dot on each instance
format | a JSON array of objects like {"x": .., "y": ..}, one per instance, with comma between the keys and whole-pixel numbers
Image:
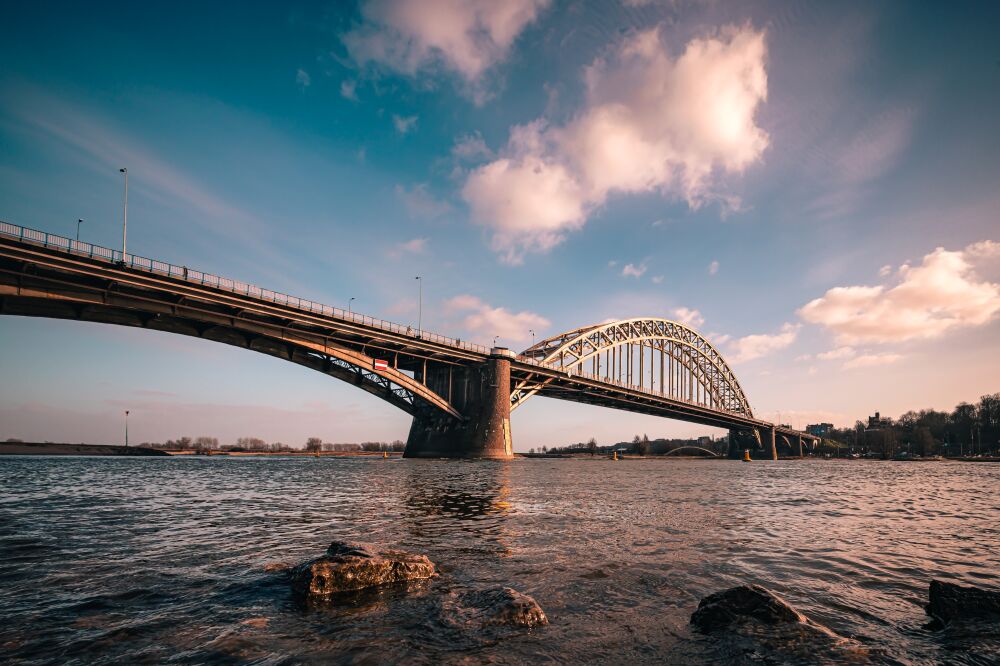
[{"x": 161, "y": 560}]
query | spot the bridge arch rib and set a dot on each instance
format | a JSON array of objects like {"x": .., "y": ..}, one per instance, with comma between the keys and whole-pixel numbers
[{"x": 689, "y": 367}]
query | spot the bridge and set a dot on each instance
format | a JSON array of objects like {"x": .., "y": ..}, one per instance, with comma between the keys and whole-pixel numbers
[{"x": 460, "y": 394}]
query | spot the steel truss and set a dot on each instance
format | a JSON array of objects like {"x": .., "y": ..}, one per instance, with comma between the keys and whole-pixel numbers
[{"x": 690, "y": 368}]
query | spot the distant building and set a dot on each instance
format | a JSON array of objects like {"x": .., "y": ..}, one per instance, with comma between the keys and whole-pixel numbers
[
  {"x": 819, "y": 429},
  {"x": 878, "y": 423},
  {"x": 704, "y": 440}
]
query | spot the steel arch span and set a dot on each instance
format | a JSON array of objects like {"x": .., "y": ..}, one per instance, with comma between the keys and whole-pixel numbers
[{"x": 652, "y": 354}]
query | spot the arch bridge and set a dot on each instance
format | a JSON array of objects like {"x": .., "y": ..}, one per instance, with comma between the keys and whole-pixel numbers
[{"x": 459, "y": 394}]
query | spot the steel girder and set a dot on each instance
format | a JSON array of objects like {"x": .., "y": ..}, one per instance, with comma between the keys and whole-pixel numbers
[{"x": 683, "y": 345}]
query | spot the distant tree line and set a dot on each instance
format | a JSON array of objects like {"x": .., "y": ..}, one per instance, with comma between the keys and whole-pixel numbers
[
  {"x": 256, "y": 444},
  {"x": 639, "y": 445},
  {"x": 969, "y": 429}
]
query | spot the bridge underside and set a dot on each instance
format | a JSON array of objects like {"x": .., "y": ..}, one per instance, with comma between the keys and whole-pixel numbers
[{"x": 460, "y": 399}]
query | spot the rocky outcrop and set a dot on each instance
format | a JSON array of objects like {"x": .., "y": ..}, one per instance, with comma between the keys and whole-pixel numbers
[
  {"x": 350, "y": 567},
  {"x": 750, "y": 619},
  {"x": 950, "y": 603},
  {"x": 498, "y": 607}
]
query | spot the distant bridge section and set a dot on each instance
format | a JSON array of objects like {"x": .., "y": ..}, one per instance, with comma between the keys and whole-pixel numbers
[{"x": 459, "y": 394}]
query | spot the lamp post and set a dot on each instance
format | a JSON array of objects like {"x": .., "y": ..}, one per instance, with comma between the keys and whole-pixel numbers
[
  {"x": 349, "y": 305},
  {"x": 126, "y": 427},
  {"x": 532, "y": 336},
  {"x": 495, "y": 338},
  {"x": 78, "y": 223},
  {"x": 420, "y": 307},
  {"x": 124, "y": 213}
]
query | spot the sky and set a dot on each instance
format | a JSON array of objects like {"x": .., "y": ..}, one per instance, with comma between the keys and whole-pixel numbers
[{"x": 812, "y": 185}]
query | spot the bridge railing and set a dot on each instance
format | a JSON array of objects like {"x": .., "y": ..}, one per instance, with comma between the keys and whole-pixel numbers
[{"x": 54, "y": 241}]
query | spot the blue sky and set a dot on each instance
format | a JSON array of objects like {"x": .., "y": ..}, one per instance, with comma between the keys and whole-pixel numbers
[{"x": 780, "y": 177}]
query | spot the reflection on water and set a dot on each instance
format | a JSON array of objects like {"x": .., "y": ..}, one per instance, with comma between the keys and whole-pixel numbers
[{"x": 153, "y": 560}]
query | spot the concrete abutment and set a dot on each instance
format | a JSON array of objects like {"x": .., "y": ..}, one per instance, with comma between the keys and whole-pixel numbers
[{"x": 482, "y": 395}]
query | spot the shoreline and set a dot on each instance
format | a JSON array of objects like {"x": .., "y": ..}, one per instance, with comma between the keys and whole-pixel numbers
[{"x": 66, "y": 449}]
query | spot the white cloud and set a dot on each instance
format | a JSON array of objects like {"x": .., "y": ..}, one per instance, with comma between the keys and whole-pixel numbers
[
  {"x": 414, "y": 246},
  {"x": 871, "y": 360},
  {"x": 421, "y": 203},
  {"x": 652, "y": 122},
  {"x": 486, "y": 321},
  {"x": 349, "y": 89},
  {"x": 657, "y": 279},
  {"x": 404, "y": 124},
  {"x": 302, "y": 78},
  {"x": 467, "y": 37},
  {"x": 839, "y": 352},
  {"x": 941, "y": 294},
  {"x": 527, "y": 201},
  {"x": 754, "y": 346},
  {"x": 713, "y": 268},
  {"x": 612, "y": 263},
  {"x": 631, "y": 270},
  {"x": 471, "y": 148},
  {"x": 885, "y": 270},
  {"x": 689, "y": 317}
]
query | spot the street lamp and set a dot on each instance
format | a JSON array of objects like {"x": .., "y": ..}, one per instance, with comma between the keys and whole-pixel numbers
[
  {"x": 126, "y": 427},
  {"x": 420, "y": 307},
  {"x": 495, "y": 338},
  {"x": 78, "y": 223},
  {"x": 349, "y": 305},
  {"x": 124, "y": 213},
  {"x": 532, "y": 336}
]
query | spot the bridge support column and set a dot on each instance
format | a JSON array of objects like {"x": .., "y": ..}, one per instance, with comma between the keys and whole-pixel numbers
[
  {"x": 800, "y": 447},
  {"x": 735, "y": 452},
  {"x": 774, "y": 444},
  {"x": 482, "y": 395}
]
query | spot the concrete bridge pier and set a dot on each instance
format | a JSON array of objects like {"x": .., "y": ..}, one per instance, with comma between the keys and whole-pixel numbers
[
  {"x": 773, "y": 443},
  {"x": 482, "y": 395}
]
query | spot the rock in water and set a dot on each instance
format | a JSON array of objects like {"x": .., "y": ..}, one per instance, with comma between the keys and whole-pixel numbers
[
  {"x": 752, "y": 620},
  {"x": 497, "y": 606},
  {"x": 722, "y": 609},
  {"x": 950, "y": 602},
  {"x": 349, "y": 567}
]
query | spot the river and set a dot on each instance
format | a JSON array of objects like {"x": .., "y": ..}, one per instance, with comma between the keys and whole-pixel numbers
[{"x": 161, "y": 560}]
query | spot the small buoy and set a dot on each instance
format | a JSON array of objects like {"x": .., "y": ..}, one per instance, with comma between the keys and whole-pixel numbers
[
  {"x": 746, "y": 455},
  {"x": 614, "y": 455},
  {"x": 385, "y": 454}
]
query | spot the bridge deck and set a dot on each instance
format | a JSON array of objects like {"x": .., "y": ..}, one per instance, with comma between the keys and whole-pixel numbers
[{"x": 51, "y": 276}]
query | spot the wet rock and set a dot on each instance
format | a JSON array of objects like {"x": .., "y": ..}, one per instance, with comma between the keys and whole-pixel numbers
[
  {"x": 277, "y": 567},
  {"x": 349, "y": 567},
  {"x": 746, "y": 602},
  {"x": 752, "y": 620},
  {"x": 497, "y": 606},
  {"x": 950, "y": 602}
]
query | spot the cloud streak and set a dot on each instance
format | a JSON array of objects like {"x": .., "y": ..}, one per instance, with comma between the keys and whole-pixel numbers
[{"x": 485, "y": 321}]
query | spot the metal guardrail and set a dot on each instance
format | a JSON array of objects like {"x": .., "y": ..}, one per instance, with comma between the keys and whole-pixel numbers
[
  {"x": 54, "y": 241},
  {"x": 92, "y": 251}
]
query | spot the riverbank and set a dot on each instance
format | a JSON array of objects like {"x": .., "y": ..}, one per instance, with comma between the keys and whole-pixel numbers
[
  {"x": 289, "y": 454},
  {"x": 64, "y": 449}
]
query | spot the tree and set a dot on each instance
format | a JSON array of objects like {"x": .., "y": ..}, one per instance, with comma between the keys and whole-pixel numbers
[
  {"x": 251, "y": 444},
  {"x": 314, "y": 444},
  {"x": 923, "y": 441},
  {"x": 592, "y": 446},
  {"x": 206, "y": 443}
]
